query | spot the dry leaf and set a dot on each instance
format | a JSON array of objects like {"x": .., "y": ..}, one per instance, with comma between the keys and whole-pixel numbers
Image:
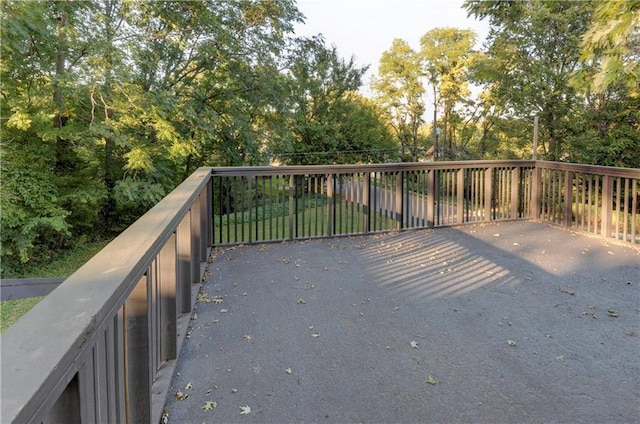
[
  {"x": 181, "y": 396},
  {"x": 208, "y": 405},
  {"x": 314, "y": 335},
  {"x": 248, "y": 337},
  {"x": 301, "y": 301},
  {"x": 217, "y": 300},
  {"x": 511, "y": 343},
  {"x": 288, "y": 370},
  {"x": 189, "y": 386},
  {"x": 413, "y": 344},
  {"x": 245, "y": 410},
  {"x": 613, "y": 313},
  {"x": 432, "y": 381}
]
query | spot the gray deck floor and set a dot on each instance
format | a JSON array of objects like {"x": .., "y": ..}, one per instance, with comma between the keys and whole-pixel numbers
[{"x": 516, "y": 322}]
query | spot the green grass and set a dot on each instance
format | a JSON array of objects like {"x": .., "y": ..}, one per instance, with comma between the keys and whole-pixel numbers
[
  {"x": 309, "y": 221},
  {"x": 61, "y": 266}
]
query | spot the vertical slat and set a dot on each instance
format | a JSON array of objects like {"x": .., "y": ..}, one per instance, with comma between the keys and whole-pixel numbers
[
  {"x": 366, "y": 209},
  {"x": 627, "y": 197},
  {"x": 292, "y": 194},
  {"x": 460, "y": 196},
  {"x": 568, "y": 198},
  {"x": 607, "y": 191},
  {"x": 515, "y": 192},
  {"x": 330, "y": 207},
  {"x": 88, "y": 387},
  {"x": 118, "y": 385},
  {"x": 153, "y": 300},
  {"x": 250, "y": 207},
  {"x": 208, "y": 192},
  {"x": 168, "y": 307},
  {"x": 184, "y": 264},
  {"x": 136, "y": 354},
  {"x": 399, "y": 213},
  {"x": 590, "y": 223},
  {"x": 488, "y": 193},
  {"x": 634, "y": 209},
  {"x": 196, "y": 235},
  {"x": 67, "y": 407},
  {"x": 100, "y": 378}
]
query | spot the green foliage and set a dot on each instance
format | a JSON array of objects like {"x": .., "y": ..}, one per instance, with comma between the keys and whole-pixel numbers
[
  {"x": 328, "y": 122},
  {"x": 399, "y": 91}
]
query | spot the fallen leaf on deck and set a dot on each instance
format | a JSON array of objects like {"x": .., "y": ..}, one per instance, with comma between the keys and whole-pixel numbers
[
  {"x": 245, "y": 410},
  {"x": 301, "y": 301},
  {"x": 613, "y": 313},
  {"x": 413, "y": 344},
  {"x": 314, "y": 335},
  {"x": 432, "y": 381},
  {"x": 189, "y": 386},
  {"x": 511, "y": 343},
  {"x": 181, "y": 396},
  {"x": 248, "y": 337},
  {"x": 288, "y": 370},
  {"x": 208, "y": 405}
]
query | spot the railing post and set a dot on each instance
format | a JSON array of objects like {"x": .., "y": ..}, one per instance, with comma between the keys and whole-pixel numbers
[
  {"x": 568, "y": 198},
  {"x": 535, "y": 193},
  {"x": 515, "y": 192},
  {"x": 607, "y": 205},
  {"x": 460, "y": 196},
  {"x": 431, "y": 197},
  {"x": 488, "y": 193}
]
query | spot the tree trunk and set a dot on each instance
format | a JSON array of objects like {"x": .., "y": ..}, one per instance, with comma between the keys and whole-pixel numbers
[{"x": 65, "y": 156}]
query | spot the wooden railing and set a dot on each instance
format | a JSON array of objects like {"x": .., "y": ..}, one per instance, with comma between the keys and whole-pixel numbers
[
  {"x": 101, "y": 348},
  {"x": 283, "y": 203},
  {"x": 103, "y": 345}
]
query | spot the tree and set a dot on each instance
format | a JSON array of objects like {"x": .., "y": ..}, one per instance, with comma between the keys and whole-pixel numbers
[
  {"x": 121, "y": 100},
  {"x": 400, "y": 93},
  {"x": 326, "y": 122},
  {"x": 612, "y": 44},
  {"x": 533, "y": 48},
  {"x": 446, "y": 55}
]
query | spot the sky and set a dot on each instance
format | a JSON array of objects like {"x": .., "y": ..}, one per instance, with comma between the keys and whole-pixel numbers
[{"x": 366, "y": 28}]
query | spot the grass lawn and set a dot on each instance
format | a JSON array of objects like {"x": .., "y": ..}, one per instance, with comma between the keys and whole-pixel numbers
[{"x": 61, "y": 266}]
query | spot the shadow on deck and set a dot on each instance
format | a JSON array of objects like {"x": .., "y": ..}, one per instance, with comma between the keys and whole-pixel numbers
[{"x": 509, "y": 322}]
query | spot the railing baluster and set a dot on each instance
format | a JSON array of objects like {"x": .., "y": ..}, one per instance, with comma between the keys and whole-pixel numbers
[
  {"x": 138, "y": 367},
  {"x": 185, "y": 259}
]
